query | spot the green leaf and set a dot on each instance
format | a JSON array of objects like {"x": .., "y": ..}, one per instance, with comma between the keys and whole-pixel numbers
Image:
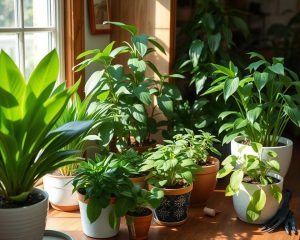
[
  {"x": 241, "y": 24},
  {"x": 254, "y": 113},
  {"x": 199, "y": 78},
  {"x": 130, "y": 28},
  {"x": 138, "y": 112},
  {"x": 226, "y": 114},
  {"x": 93, "y": 82},
  {"x": 93, "y": 210},
  {"x": 208, "y": 21},
  {"x": 195, "y": 51},
  {"x": 260, "y": 79},
  {"x": 103, "y": 96},
  {"x": 166, "y": 105},
  {"x": 230, "y": 87},
  {"x": 225, "y": 171},
  {"x": 226, "y": 127},
  {"x": 143, "y": 94},
  {"x": 255, "y": 65},
  {"x": 257, "y": 55},
  {"x": 294, "y": 114},
  {"x": 277, "y": 68},
  {"x": 257, "y": 147},
  {"x": 236, "y": 179},
  {"x": 230, "y": 160},
  {"x": 274, "y": 165},
  {"x": 256, "y": 205},
  {"x": 214, "y": 42},
  {"x": 138, "y": 66},
  {"x": 171, "y": 90},
  {"x": 226, "y": 71},
  {"x": 276, "y": 192},
  {"x": 88, "y": 52},
  {"x": 188, "y": 176},
  {"x": 154, "y": 41},
  {"x": 140, "y": 42}
]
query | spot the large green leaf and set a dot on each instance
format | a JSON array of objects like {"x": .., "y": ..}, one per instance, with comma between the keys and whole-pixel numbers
[
  {"x": 93, "y": 210},
  {"x": 140, "y": 42},
  {"x": 230, "y": 87},
  {"x": 256, "y": 205},
  {"x": 254, "y": 113},
  {"x": 130, "y": 28},
  {"x": 166, "y": 105},
  {"x": 195, "y": 51},
  {"x": 143, "y": 94},
  {"x": 214, "y": 41},
  {"x": 260, "y": 79},
  {"x": 277, "y": 68}
]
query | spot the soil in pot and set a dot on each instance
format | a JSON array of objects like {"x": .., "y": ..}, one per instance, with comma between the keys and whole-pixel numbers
[
  {"x": 173, "y": 209},
  {"x": 33, "y": 198},
  {"x": 138, "y": 223},
  {"x": 204, "y": 182},
  {"x": 139, "y": 179}
]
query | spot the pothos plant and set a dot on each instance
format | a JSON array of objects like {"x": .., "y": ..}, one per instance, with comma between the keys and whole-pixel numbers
[
  {"x": 258, "y": 171},
  {"x": 198, "y": 146},
  {"x": 266, "y": 99},
  {"x": 129, "y": 89},
  {"x": 169, "y": 165}
]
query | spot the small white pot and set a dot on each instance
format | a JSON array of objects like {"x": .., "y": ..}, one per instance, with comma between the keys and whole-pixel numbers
[
  {"x": 25, "y": 222},
  {"x": 101, "y": 227},
  {"x": 60, "y": 189},
  {"x": 284, "y": 153},
  {"x": 242, "y": 198}
]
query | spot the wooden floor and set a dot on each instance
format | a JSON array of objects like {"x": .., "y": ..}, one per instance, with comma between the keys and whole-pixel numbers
[{"x": 199, "y": 227}]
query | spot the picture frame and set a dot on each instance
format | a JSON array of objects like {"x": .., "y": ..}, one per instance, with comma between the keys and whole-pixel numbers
[{"x": 99, "y": 11}]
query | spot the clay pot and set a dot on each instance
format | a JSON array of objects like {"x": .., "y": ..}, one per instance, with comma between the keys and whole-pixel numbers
[
  {"x": 138, "y": 226},
  {"x": 205, "y": 183},
  {"x": 139, "y": 180},
  {"x": 174, "y": 207}
]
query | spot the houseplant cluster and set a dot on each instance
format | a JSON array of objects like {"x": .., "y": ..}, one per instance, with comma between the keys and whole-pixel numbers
[{"x": 46, "y": 130}]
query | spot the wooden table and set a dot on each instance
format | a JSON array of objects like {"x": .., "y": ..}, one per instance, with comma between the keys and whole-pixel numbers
[{"x": 199, "y": 227}]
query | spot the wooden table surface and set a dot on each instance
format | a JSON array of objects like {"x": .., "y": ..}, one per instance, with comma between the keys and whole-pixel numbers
[{"x": 199, "y": 227}]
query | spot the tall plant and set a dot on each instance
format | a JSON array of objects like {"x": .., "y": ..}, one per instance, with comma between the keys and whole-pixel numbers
[
  {"x": 129, "y": 89},
  {"x": 29, "y": 149},
  {"x": 267, "y": 99}
]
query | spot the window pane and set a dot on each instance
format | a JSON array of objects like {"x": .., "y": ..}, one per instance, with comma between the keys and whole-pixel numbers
[
  {"x": 37, "y": 13},
  {"x": 7, "y": 13},
  {"x": 37, "y": 45},
  {"x": 9, "y": 43}
]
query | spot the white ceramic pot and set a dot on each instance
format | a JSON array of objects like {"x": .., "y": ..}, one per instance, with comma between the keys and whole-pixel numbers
[
  {"x": 101, "y": 227},
  {"x": 242, "y": 198},
  {"x": 25, "y": 222},
  {"x": 284, "y": 152},
  {"x": 60, "y": 189}
]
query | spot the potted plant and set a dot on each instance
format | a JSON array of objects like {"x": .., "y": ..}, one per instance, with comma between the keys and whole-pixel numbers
[
  {"x": 104, "y": 193},
  {"x": 139, "y": 217},
  {"x": 131, "y": 90},
  {"x": 58, "y": 184},
  {"x": 267, "y": 100},
  {"x": 256, "y": 185},
  {"x": 29, "y": 147},
  {"x": 199, "y": 148},
  {"x": 171, "y": 170},
  {"x": 133, "y": 161}
]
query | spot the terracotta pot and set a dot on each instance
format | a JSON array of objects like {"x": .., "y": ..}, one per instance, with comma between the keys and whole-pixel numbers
[
  {"x": 139, "y": 180},
  {"x": 205, "y": 183},
  {"x": 101, "y": 227},
  {"x": 60, "y": 193},
  {"x": 174, "y": 207},
  {"x": 138, "y": 226}
]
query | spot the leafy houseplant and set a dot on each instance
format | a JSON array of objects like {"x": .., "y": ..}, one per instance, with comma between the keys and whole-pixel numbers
[
  {"x": 140, "y": 216},
  {"x": 130, "y": 90},
  {"x": 171, "y": 170},
  {"x": 105, "y": 194},
  {"x": 255, "y": 187},
  {"x": 266, "y": 99},
  {"x": 29, "y": 147},
  {"x": 199, "y": 148},
  {"x": 58, "y": 184}
]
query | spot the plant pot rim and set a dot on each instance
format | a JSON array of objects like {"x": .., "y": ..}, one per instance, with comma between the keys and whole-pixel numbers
[
  {"x": 81, "y": 198},
  {"x": 286, "y": 141},
  {"x": 133, "y": 216},
  {"x": 59, "y": 176},
  {"x": 211, "y": 168},
  {"x": 46, "y": 197},
  {"x": 175, "y": 191},
  {"x": 274, "y": 175}
]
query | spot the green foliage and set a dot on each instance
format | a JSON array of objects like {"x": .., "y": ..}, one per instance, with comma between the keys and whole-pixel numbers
[
  {"x": 267, "y": 99},
  {"x": 100, "y": 180},
  {"x": 29, "y": 149},
  {"x": 198, "y": 147},
  {"x": 131, "y": 160},
  {"x": 169, "y": 164},
  {"x": 129, "y": 90},
  {"x": 258, "y": 170}
]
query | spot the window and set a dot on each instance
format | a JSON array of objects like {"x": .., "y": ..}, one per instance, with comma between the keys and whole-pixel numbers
[{"x": 29, "y": 29}]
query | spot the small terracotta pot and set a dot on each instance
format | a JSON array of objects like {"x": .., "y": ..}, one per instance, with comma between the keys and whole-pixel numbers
[
  {"x": 138, "y": 226},
  {"x": 139, "y": 180},
  {"x": 205, "y": 183},
  {"x": 174, "y": 207}
]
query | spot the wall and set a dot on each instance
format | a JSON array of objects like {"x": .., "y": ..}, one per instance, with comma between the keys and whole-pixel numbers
[{"x": 93, "y": 41}]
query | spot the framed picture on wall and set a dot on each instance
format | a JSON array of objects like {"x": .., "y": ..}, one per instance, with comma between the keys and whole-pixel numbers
[{"x": 99, "y": 11}]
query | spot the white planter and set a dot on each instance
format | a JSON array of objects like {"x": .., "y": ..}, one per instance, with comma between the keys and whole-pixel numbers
[
  {"x": 25, "y": 222},
  {"x": 284, "y": 152},
  {"x": 242, "y": 198},
  {"x": 100, "y": 228},
  {"x": 60, "y": 189}
]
